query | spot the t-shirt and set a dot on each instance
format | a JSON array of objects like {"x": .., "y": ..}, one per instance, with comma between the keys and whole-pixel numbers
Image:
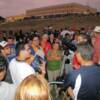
[
  {"x": 46, "y": 47},
  {"x": 20, "y": 70},
  {"x": 75, "y": 63},
  {"x": 36, "y": 62},
  {"x": 54, "y": 64},
  {"x": 96, "y": 46},
  {"x": 90, "y": 82},
  {"x": 7, "y": 91}
]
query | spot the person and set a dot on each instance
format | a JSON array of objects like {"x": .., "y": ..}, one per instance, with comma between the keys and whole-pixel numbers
[
  {"x": 85, "y": 82},
  {"x": 96, "y": 43},
  {"x": 11, "y": 43},
  {"x": 33, "y": 88},
  {"x": 7, "y": 90},
  {"x": 81, "y": 38},
  {"x": 51, "y": 38},
  {"x": 18, "y": 67},
  {"x": 46, "y": 46},
  {"x": 54, "y": 62},
  {"x": 37, "y": 53},
  {"x": 5, "y": 51}
]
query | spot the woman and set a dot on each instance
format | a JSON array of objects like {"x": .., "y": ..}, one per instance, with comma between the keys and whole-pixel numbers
[
  {"x": 46, "y": 46},
  {"x": 33, "y": 88},
  {"x": 54, "y": 62},
  {"x": 51, "y": 38}
]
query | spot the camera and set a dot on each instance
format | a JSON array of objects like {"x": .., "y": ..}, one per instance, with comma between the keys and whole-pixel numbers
[
  {"x": 40, "y": 61},
  {"x": 67, "y": 61},
  {"x": 68, "y": 45}
]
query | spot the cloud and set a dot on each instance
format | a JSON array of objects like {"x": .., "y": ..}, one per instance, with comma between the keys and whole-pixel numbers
[
  {"x": 2, "y": 3},
  {"x": 14, "y": 7}
]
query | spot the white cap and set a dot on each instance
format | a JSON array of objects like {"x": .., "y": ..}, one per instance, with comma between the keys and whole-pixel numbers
[
  {"x": 97, "y": 29},
  {"x": 3, "y": 44}
]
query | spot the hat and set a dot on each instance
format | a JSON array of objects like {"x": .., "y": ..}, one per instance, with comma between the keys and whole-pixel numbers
[
  {"x": 97, "y": 29},
  {"x": 3, "y": 44}
]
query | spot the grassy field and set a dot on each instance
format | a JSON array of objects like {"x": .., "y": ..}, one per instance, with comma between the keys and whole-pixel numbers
[{"x": 57, "y": 23}]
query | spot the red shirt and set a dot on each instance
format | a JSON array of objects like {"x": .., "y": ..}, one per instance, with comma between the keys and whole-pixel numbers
[
  {"x": 96, "y": 46},
  {"x": 46, "y": 47},
  {"x": 75, "y": 62}
]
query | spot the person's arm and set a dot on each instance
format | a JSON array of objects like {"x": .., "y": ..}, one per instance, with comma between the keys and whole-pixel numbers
[
  {"x": 69, "y": 81},
  {"x": 49, "y": 56},
  {"x": 58, "y": 56},
  {"x": 69, "y": 85},
  {"x": 42, "y": 68}
]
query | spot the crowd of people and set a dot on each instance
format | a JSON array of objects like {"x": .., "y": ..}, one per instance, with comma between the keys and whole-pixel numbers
[{"x": 28, "y": 62}]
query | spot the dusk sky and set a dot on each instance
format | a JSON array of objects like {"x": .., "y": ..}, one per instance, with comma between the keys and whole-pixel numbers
[{"x": 16, "y": 7}]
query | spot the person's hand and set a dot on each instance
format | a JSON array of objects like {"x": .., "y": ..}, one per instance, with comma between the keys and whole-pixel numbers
[
  {"x": 70, "y": 92},
  {"x": 52, "y": 56},
  {"x": 42, "y": 67}
]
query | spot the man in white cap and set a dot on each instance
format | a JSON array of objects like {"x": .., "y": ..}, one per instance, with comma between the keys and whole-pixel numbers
[
  {"x": 96, "y": 43},
  {"x": 4, "y": 48},
  {"x": 5, "y": 51}
]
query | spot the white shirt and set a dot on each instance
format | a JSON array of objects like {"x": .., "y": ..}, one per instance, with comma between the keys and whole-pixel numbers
[
  {"x": 7, "y": 91},
  {"x": 19, "y": 70}
]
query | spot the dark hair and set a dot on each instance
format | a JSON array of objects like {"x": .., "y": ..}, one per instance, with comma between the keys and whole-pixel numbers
[
  {"x": 3, "y": 63},
  {"x": 20, "y": 46},
  {"x": 10, "y": 37},
  {"x": 86, "y": 37},
  {"x": 34, "y": 35}
]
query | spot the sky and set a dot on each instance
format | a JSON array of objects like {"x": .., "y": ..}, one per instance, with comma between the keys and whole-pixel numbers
[{"x": 17, "y": 7}]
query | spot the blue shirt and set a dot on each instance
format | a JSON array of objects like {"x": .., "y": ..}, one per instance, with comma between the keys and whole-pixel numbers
[
  {"x": 36, "y": 62},
  {"x": 90, "y": 86}
]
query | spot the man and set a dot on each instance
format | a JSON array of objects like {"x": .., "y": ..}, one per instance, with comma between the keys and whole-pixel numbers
[
  {"x": 19, "y": 69},
  {"x": 7, "y": 91},
  {"x": 4, "y": 48},
  {"x": 36, "y": 53},
  {"x": 81, "y": 38},
  {"x": 96, "y": 43},
  {"x": 84, "y": 82},
  {"x": 11, "y": 43},
  {"x": 5, "y": 51}
]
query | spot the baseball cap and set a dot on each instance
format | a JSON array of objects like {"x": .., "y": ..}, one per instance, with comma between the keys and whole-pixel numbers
[
  {"x": 3, "y": 44},
  {"x": 97, "y": 29}
]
